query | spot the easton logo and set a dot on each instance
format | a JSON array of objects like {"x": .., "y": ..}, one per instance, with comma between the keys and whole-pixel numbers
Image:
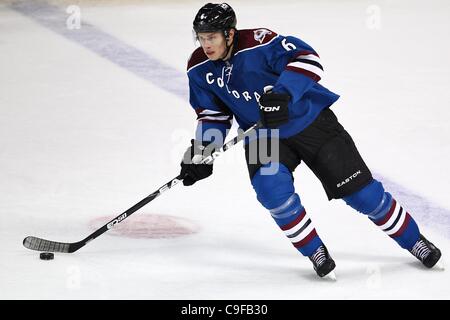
[
  {"x": 353, "y": 176},
  {"x": 270, "y": 109},
  {"x": 116, "y": 221}
]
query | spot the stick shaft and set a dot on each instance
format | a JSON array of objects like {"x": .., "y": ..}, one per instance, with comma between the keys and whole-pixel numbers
[{"x": 40, "y": 244}]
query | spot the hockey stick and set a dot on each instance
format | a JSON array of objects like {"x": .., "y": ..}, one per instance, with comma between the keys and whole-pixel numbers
[{"x": 39, "y": 244}]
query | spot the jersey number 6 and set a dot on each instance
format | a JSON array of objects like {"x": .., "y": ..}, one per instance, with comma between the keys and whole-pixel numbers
[{"x": 287, "y": 45}]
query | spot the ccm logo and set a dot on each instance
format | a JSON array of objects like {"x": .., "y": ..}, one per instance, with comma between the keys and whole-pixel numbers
[
  {"x": 115, "y": 221},
  {"x": 270, "y": 109}
]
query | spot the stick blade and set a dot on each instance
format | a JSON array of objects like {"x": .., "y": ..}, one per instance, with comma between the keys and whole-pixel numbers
[{"x": 38, "y": 244}]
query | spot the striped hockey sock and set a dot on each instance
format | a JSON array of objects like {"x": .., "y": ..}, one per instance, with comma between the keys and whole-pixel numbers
[
  {"x": 291, "y": 217},
  {"x": 396, "y": 222}
]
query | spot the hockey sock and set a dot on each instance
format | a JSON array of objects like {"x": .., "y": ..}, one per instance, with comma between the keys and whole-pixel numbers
[
  {"x": 397, "y": 223},
  {"x": 291, "y": 217},
  {"x": 276, "y": 193},
  {"x": 383, "y": 210}
]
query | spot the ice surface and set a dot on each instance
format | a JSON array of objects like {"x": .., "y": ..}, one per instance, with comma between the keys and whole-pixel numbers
[{"x": 86, "y": 132}]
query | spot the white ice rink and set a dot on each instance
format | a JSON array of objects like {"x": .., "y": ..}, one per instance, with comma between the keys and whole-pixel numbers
[{"x": 94, "y": 119}]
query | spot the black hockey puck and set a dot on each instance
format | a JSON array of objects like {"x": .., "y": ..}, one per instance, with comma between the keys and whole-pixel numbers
[{"x": 46, "y": 256}]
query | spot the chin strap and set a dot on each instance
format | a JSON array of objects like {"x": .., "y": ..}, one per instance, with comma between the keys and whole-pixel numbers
[{"x": 227, "y": 37}]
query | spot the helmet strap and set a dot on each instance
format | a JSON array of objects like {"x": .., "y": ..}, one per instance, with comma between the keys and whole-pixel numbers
[{"x": 226, "y": 34}]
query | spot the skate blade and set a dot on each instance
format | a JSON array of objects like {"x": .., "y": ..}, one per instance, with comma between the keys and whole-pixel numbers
[
  {"x": 439, "y": 266},
  {"x": 331, "y": 276}
]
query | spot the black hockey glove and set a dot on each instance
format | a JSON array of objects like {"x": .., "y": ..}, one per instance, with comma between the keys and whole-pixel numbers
[
  {"x": 274, "y": 109},
  {"x": 191, "y": 169}
]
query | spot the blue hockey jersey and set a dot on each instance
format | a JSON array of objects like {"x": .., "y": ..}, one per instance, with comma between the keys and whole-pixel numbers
[{"x": 219, "y": 90}]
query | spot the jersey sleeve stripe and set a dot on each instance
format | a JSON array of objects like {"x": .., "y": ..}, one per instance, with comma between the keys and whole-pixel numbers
[
  {"x": 214, "y": 118},
  {"x": 304, "y": 71},
  {"x": 311, "y": 62},
  {"x": 208, "y": 115},
  {"x": 306, "y": 66},
  {"x": 307, "y": 63},
  {"x": 208, "y": 112},
  {"x": 309, "y": 56},
  {"x": 216, "y": 121}
]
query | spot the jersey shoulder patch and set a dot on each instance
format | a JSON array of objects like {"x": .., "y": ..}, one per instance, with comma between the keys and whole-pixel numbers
[
  {"x": 197, "y": 57},
  {"x": 249, "y": 38}
]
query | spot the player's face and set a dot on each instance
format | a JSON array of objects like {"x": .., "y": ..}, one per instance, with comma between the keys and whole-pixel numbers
[{"x": 213, "y": 44}]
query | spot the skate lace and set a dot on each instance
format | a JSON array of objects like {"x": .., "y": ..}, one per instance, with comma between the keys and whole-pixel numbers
[
  {"x": 420, "y": 250},
  {"x": 319, "y": 256}
]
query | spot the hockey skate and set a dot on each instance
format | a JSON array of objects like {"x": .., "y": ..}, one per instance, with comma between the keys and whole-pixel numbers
[
  {"x": 427, "y": 253},
  {"x": 323, "y": 263}
]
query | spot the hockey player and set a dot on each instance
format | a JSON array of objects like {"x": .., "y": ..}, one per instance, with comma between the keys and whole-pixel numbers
[{"x": 259, "y": 75}]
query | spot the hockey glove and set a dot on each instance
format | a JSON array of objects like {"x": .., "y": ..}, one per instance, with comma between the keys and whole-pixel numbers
[
  {"x": 191, "y": 169},
  {"x": 274, "y": 109}
]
